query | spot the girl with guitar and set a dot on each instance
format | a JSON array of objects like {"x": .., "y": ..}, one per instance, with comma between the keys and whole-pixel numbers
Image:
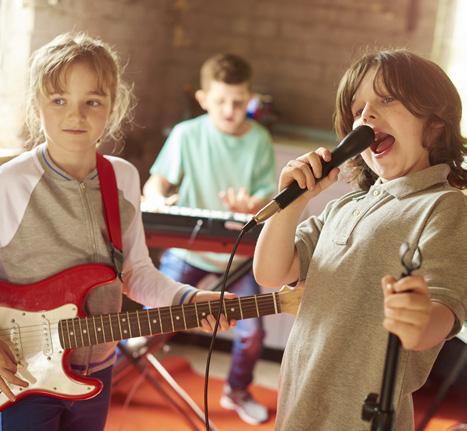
[{"x": 52, "y": 219}]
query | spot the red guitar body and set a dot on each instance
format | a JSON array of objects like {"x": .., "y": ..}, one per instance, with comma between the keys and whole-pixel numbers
[{"x": 29, "y": 316}]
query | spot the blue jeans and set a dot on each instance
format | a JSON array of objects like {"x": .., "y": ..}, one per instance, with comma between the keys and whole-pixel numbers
[
  {"x": 41, "y": 413},
  {"x": 249, "y": 334}
]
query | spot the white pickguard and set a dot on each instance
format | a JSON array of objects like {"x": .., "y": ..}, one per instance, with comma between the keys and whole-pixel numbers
[{"x": 33, "y": 338}]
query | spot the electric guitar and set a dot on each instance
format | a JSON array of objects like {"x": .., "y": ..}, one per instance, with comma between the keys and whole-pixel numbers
[{"x": 42, "y": 322}]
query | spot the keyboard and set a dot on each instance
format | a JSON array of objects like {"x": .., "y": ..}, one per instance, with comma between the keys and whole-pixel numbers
[{"x": 198, "y": 229}]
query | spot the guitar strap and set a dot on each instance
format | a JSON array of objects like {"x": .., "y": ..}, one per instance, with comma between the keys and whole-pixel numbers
[{"x": 109, "y": 194}]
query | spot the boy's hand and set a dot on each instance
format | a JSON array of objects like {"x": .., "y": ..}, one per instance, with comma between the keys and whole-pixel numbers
[
  {"x": 171, "y": 200},
  {"x": 407, "y": 308},
  {"x": 208, "y": 324},
  {"x": 240, "y": 202},
  {"x": 8, "y": 370},
  {"x": 158, "y": 201},
  {"x": 306, "y": 170}
]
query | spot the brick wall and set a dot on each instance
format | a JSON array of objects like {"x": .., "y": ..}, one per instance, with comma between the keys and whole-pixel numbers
[
  {"x": 14, "y": 53},
  {"x": 137, "y": 29},
  {"x": 298, "y": 48}
]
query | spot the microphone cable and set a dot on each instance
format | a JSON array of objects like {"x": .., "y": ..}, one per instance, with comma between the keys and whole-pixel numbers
[{"x": 216, "y": 327}]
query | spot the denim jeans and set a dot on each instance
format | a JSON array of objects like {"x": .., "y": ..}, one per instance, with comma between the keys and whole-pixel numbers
[
  {"x": 248, "y": 333},
  {"x": 42, "y": 413}
]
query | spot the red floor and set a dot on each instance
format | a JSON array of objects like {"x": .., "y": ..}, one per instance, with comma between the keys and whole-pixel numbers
[
  {"x": 149, "y": 411},
  {"x": 136, "y": 405},
  {"x": 452, "y": 411}
]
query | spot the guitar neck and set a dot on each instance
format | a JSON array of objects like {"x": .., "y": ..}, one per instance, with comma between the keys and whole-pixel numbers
[{"x": 88, "y": 331}]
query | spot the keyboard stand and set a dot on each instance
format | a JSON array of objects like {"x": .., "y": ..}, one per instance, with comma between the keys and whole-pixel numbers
[
  {"x": 143, "y": 357},
  {"x": 235, "y": 275},
  {"x": 141, "y": 363}
]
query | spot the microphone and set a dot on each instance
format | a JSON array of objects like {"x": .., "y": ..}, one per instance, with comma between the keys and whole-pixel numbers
[{"x": 354, "y": 143}]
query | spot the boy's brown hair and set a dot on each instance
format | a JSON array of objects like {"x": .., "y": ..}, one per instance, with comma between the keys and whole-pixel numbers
[
  {"x": 226, "y": 68},
  {"x": 425, "y": 90}
]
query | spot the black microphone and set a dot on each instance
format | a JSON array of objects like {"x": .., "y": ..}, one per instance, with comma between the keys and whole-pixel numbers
[{"x": 354, "y": 143}]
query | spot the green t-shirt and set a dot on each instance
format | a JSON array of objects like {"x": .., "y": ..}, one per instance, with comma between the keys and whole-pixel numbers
[{"x": 202, "y": 161}]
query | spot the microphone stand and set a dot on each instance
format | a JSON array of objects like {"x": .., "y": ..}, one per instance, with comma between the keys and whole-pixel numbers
[{"x": 381, "y": 414}]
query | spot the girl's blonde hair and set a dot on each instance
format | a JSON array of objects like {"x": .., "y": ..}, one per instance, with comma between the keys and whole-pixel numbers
[
  {"x": 48, "y": 68},
  {"x": 425, "y": 90}
]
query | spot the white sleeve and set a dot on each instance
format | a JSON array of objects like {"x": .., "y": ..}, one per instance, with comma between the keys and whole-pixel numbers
[{"x": 143, "y": 282}]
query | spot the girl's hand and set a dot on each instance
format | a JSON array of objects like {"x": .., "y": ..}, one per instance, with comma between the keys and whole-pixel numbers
[
  {"x": 207, "y": 324},
  {"x": 407, "y": 308},
  {"x": 8, "y": 370},
  {"x": 306, "y": 170}
]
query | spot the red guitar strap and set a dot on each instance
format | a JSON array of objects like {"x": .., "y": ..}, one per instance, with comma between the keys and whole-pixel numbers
[{"x": 109, "y": 193}]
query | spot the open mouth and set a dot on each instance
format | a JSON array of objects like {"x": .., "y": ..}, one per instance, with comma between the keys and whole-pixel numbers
[{"x": 382, "y": 143}]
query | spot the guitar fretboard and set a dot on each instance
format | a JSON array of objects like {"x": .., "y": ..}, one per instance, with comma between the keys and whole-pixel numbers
[{"x": 88, "y": 331}]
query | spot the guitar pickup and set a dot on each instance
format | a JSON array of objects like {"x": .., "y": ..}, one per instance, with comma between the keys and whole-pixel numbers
[
  {"x": 47, "y": 347},
  {"x": 15, "y": 339}
]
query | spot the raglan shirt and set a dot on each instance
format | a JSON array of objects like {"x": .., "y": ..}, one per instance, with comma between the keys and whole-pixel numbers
[
  {"x": 336, "y": 350},
  {"x": 51, "y": 222}
]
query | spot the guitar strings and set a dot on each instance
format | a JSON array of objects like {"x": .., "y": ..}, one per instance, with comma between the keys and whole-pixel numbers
[
  {"x": 135, "y": 317},
  {"x": 91, "y": 323},
  {"x": 248, "y": 304}
]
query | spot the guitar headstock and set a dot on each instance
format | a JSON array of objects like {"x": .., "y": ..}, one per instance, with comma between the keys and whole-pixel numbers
[{"x": 290, "y": 298}]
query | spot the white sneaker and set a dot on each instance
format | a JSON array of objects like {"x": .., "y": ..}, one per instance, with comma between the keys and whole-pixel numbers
[{"x": 240, "y": 400}]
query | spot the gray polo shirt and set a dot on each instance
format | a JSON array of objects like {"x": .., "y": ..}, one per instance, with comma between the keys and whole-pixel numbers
[{"x": 336, "y": 350}]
